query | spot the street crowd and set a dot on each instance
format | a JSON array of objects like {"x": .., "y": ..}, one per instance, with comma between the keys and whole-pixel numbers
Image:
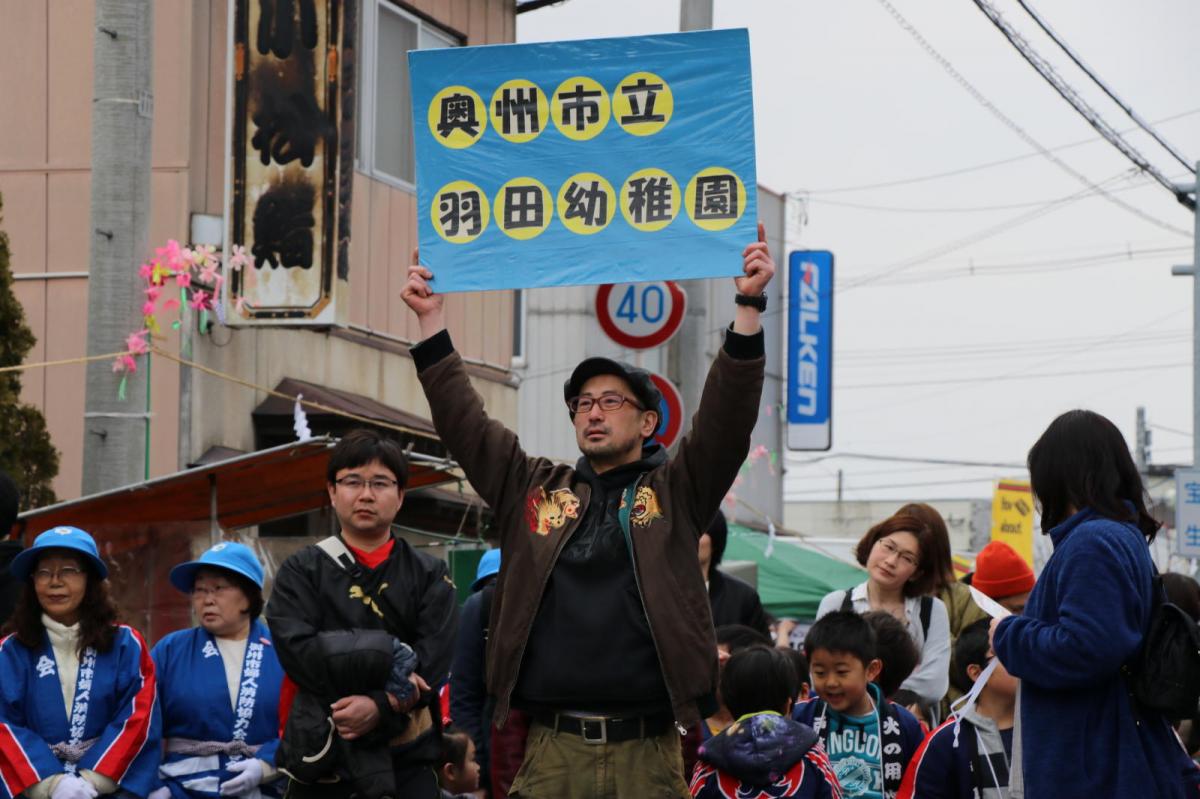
[{"x": 602, "y": 652}]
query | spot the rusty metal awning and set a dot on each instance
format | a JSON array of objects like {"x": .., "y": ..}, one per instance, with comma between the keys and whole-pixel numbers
[
  {"x": 357, "y": 404},
  {"x": 244, "y": 490}
]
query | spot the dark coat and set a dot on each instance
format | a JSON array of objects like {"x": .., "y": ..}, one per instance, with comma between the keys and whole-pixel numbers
[
  {"x": 1086, "y": 618},
  {"x": 539, "y": 504},
  {"x": 735, "y": 601}
]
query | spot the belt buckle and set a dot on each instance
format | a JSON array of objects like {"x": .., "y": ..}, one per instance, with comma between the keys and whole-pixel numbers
[{"x": 599, "y": 721}]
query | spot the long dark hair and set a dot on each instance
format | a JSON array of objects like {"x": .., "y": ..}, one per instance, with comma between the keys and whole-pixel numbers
[
  {"x": 97, "y": 619},
  {"x": 1082, "y": 461}
]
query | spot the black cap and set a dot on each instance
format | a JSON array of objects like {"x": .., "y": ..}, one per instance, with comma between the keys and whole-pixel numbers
[{"x": 643, "y": 388}]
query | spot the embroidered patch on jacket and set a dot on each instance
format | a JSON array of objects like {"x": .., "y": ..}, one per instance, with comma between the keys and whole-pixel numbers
[
  {"x": 645, "y": 507},
  {"x": 545, "y": 513}
]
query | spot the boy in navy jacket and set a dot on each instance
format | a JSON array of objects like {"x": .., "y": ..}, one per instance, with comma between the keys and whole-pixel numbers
[
  {"x": 968, "y": 756},
  {"x": 868, "y": 739},
  {"x": 764, "y": 754}
]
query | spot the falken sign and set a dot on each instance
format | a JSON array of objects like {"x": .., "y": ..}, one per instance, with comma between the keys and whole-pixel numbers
[{"x": 810, "y": 350}]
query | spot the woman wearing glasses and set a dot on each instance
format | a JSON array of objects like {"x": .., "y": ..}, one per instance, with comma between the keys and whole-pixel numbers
[
  {"x": 219, "y": 683},
  {"x": 903, "y": 567},
  {"x": 77, "y": 711}
]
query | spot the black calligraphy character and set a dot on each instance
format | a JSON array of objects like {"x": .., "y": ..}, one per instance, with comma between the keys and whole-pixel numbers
[
  {"x": 288, "y": 126},
  {"x": 581, "y": 105},
  {"x": 650, "y": 200},
  {"x": 520, "y": 107},
  {"x": 459, "y": 209},
  {"x": 587, "y": 202},
  {"x": 283, "y": 225},
  {"x": 641, "y": 102},
  {"x": 716, "y": 197},
  {"x": 277, "y": 26},
  {"x": 523, "y": 207},
  {"x": 458, "y": 111}
]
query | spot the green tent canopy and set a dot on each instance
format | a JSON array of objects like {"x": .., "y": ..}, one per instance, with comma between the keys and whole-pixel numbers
[{"x": 792, "y": 582}]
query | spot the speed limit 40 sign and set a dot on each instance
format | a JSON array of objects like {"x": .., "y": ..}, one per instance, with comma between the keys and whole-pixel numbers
[{"x": 641, "y": 316}]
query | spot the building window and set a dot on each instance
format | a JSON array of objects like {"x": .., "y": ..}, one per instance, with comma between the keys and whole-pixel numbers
[{"x": 385, "y": 134}]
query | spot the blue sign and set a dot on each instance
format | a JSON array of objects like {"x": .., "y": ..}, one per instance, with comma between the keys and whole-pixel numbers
[
  {"x": 810, "y": 350},
  {"x": 585, "y": 162}
]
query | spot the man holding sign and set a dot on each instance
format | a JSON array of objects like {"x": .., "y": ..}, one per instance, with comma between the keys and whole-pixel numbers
[{"x": 601, "y": 627}]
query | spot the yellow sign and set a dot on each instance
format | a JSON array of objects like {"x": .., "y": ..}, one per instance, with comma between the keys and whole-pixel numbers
[{"x": 1012, "y": 516}]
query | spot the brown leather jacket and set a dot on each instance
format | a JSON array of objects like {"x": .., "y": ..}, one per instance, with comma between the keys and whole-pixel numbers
[{"x": 538, "y": 504}]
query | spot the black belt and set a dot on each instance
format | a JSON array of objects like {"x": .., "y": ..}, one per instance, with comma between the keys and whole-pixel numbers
[{"x": 607, "y": 729}]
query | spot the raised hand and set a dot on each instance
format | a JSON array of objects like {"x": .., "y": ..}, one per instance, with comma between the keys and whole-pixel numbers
[
  {"x": 421, "y": 298},
  {"x": 757, "y": 266}
]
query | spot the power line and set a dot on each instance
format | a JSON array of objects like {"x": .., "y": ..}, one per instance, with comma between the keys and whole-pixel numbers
[
  {"x": 971, "y": 209},
  {"x": 979, "y": 167},
  {"x": 977, "y": 236},
  {"x": 1017, "y": 129},
  {"x": 1141, "y": 123},
  {"x": 1035, "y": 267},
  {"x": 883, "y": 486},
  {"x": 907, "y": 459},
  {"x": 1011, "y": 377},
  {"x": 1166, "y": 429},
  {"x": 1044, "y": 68},
  {"x": 1001, "y": 349}
]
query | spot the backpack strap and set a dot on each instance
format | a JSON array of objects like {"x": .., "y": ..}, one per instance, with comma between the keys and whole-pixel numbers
[
  {"x": 926, "y": 615},
  {"x": 336, "y": 549},
  {"x": 847, "y": 602}
]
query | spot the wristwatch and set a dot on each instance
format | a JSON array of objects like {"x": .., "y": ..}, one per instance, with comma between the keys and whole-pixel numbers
[{"x": 759, "y": 302}]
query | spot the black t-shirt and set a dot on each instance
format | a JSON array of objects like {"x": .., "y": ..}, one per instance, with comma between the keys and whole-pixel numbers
[{"x": 590, "y": 648}]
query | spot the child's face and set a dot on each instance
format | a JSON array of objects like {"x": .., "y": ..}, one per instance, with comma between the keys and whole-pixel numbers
[
  {"x": 840, "y": 678},
  {"x": 1001, "y": 683}
]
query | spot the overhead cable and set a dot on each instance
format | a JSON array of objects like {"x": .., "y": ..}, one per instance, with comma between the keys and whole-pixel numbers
[
  {"x": 1068, "y": 93},
  {"x": 1189, "y": 165},
  {"x": 1017, "y": 129}
]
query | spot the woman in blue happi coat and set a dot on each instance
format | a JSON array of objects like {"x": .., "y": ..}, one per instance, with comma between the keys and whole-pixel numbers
[
  {"x": 77, "y": 712},
  {"x": 219, "y": 683}
]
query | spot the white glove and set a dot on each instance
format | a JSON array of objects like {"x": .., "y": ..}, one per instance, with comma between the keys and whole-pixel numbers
[
  {"x": 160, "y": 793},
  {"x": 249, "y": 775},
  {"x": 73, "y": 787}
]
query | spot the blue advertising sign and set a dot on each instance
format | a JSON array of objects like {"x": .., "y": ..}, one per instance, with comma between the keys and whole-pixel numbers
[
  {"x": 585, "y": 162},
  {"x": 810, "y": 350}
]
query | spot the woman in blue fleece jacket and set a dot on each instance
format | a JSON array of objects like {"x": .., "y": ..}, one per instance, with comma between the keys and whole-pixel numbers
[{"x": 1078, "y": 733}]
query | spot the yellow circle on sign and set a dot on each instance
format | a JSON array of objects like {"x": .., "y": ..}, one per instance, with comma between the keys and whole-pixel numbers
[
  {"x": 586, "y": 203},
  {"x": 519, "y": 110},
  {"x": 580, "y": 108},
  {"x": 650, "y": 199},
  {"x": 459, "y": 212},
  {"x": 643, "y": 103},
  {"x": 457, "y": 118},
  {"x": 523, "y": 208},
  {"x": 715, "y": 198}
]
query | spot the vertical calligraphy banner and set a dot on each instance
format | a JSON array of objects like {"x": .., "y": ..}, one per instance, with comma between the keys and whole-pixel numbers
[
  {"x": 585, "y": 162},
  {"x": 291, "y": 158}
]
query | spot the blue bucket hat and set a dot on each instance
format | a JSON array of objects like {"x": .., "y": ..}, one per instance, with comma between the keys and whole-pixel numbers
[
  {"x": 228, "y": 555},
  {"x": 64, "y": 537},
  {"x": 489, "y": 564}
]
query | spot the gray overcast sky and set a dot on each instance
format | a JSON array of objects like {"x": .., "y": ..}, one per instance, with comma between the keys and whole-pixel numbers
[{"x": 1071, "y": 305}]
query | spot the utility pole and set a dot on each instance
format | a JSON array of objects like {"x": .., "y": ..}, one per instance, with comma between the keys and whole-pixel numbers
[
  {"x": 687, "y": 364},
  {"x": 1142, "y": 450},
  {"x": 116, "y": 431},
  {"x": 1193, "y": 270}
]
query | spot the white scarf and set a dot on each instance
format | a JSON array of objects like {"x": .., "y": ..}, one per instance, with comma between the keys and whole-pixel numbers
[{"x": 64, "y": 641}]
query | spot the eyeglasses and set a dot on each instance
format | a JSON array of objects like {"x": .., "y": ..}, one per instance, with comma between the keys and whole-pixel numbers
[
  {"x": 64, "y": 574},
  {"x": 355, "y": 483},
  {"x": 891, "y": 549},
  {"x": 607, "y": 402},
  {"x": 204, "y": 591}
]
